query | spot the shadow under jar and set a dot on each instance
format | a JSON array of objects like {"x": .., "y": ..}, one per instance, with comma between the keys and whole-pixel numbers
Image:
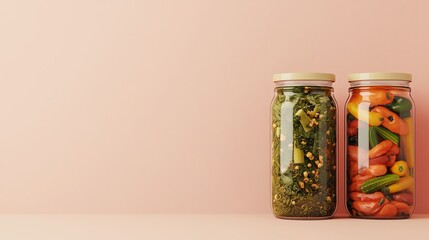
[
  {"x": 304, "y": 150},
  {"x": 380, "y": 148}
]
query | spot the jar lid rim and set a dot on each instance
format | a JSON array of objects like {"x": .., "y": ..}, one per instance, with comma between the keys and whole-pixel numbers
[
  {"x": 304, "y": 76},
  {"x": 380, "y": 76}
]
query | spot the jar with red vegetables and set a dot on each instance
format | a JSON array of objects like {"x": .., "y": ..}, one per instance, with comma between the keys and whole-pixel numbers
[{"x": 380, "y": 146}]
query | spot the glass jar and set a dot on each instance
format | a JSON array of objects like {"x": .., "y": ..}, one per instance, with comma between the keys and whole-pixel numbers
[
  {"x": 380, "y": 148},
  {"x": 304, "y": 150}
]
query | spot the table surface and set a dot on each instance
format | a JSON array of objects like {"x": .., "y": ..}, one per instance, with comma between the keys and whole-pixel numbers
[{"x": 217, "y": 226}]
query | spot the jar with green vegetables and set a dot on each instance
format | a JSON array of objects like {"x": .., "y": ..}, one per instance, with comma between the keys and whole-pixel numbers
[
  {"x": 380, "y": 148},
  {"x": 304, "y": 146}
]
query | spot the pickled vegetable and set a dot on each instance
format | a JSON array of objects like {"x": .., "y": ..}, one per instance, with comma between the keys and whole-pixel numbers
[
  {"x": 387, "y": 135},
  {"x": 400, "y": 105},
  {"x": 403, "y": 184},
  {"x": 373, "y": 118},
  {"x": 375, "y": 184},
  {"x": 374, "y": 98},
  {"x": 400, "y": 168},
  {"x": 303, "y": 152},
  {"x": 391, "y": 120}
]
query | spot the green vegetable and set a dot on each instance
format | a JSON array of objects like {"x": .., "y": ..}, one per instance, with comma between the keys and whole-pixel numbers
[
  {"x": 304, "y": 119},
  {"x": 400, "y": 105},
  {"x": 375, "y": 184},
  {"x": 373, "y": 139},
  {"x": 387, "y": 134}
]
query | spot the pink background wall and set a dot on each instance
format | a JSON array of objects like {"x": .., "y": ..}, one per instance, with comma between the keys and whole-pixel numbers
[{"x": 163, "y": 106}]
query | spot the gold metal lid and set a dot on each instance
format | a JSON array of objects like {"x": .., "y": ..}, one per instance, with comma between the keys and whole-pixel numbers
[
  {"x": 380, "y": 76},
  {"x": 307, "y": 76}
]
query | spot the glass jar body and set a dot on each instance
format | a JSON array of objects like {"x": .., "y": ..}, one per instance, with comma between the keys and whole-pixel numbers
[
  {"x": 304, "y": 152},
  {"x": 380, "y": 152}
]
